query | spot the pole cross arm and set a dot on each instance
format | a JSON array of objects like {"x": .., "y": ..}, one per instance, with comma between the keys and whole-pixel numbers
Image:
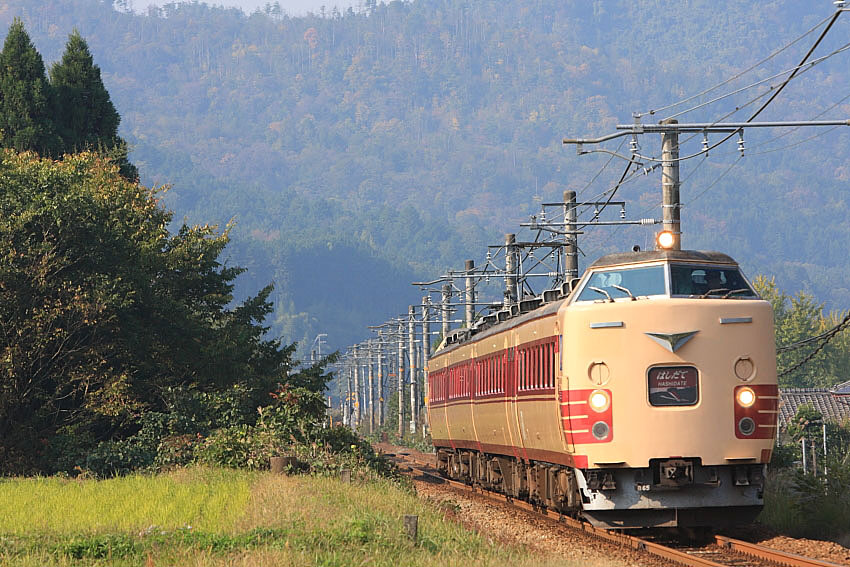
[
  {"x": 633, "y": 129},
  {"x": 722, "y": 126}
]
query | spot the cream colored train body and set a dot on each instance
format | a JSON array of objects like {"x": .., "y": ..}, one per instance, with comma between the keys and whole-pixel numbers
[{"x": 646, "y": 397}]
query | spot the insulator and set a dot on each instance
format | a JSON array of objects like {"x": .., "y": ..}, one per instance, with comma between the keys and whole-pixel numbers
[
  {"x": 633, "y": 145},
  {"x": 705, "y": 144},
  {"x": 647, "y": 221},
  {"x": 622, "y": 211},
  {"x": 741, "y": 142}
]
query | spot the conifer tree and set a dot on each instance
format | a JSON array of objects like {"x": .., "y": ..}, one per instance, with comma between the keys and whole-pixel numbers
[
  {"x": 25, "y": 117},
  {"x": 86, "y": 118}
]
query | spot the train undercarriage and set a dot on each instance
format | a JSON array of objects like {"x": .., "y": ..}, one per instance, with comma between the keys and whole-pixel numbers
[{"x": 676, "y": 493}]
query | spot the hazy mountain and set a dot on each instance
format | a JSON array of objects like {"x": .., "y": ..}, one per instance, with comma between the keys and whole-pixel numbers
[{"x": 359, "y": 150}]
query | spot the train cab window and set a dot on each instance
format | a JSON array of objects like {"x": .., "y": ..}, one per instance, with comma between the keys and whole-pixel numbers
[
  {"x": 618, "y": 284},
  {"x": 709, "y": 281}
]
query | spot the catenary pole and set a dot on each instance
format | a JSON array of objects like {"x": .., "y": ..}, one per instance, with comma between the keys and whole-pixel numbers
[
  {"x": 445, "y": 310},
  {"x": 671, "y": 206},
  {"x": 411, "y": 355},
  {"x": 357, "y": 413},
  {"x": 469, "y": 319},
  {"x": 510, "y": 270},
  {"x": 570, "y": 244},
  {"x": 400, "y": 380},
  {"x": 426, "y": 354},
  {"x": 371, "y": 361},
  {"x": 380, "y": 354}
]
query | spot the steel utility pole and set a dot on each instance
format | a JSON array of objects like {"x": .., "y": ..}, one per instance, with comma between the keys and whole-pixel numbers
[
  {"x": 671, "y": 206},
  {"x": 510, "y": 270},
  {"x": 370, "y": 360},
  {"x": 400, "y": 380},
  {"x": 347, "y": 406},
  {"x": 426, "y": 353},
  {"x": 357, "y": 413},
  {"x": 570, "y": 237},
  {"x": 411, "y": 355},
  {"x": 445, "y": 310},
  {"x": 469, "y": 319},
  {"x": 380, "y": 382}
]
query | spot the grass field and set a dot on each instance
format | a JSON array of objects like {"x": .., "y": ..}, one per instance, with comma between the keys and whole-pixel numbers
[{"x": 212, "y": 517}]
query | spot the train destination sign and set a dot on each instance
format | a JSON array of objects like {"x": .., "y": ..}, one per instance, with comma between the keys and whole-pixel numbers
[{"x": 673, "y": 386}]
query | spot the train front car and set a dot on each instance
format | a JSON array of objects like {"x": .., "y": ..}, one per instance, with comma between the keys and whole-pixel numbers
[{"x": 668, "y": 392}]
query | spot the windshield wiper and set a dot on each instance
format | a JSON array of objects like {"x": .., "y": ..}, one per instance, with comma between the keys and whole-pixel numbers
[
  {"x": 602, "y": 291},
  {"x": 716, "y": 291},
  {"x": 624, "y": 290},
  {"x": 734, "y": 291}
]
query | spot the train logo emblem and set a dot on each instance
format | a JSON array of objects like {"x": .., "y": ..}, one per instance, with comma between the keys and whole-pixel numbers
[{"x": 672, "y": 341}]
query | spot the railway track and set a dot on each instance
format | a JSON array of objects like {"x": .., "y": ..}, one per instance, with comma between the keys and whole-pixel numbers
[{"x": 721, "y": 552}]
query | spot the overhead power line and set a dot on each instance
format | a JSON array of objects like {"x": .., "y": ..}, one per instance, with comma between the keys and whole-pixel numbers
[
  {"x": 823, "y": 337},
  {"x": 734, "y": 77}
]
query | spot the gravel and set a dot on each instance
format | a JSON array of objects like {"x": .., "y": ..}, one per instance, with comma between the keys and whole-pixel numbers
[{"x": 507, "y": 524}]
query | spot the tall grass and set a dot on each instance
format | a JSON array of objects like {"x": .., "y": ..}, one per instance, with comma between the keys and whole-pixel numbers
[
  {"x": 237, "y": 518},
  {"x": 802, "y": 505},
  {"x": 206, "y": 499}
]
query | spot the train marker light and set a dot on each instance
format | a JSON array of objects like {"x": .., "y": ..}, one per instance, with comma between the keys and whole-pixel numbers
[
  {"x": 746, "y": 397},
  {"x": 665, "y": 240},
  {"x": 599, "y": 400}
]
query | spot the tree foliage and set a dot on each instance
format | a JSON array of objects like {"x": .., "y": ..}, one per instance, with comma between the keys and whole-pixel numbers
[
  {"x": 104, "y": 312},
  {"x": 70, "y": 113},
  {"x": 798, "y": 317},
  {"x": 86, "y": 117},
  {"x": 25, "y": 97}
]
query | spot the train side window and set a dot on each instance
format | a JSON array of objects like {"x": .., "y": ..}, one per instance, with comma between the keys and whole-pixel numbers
[
  {"x": 536, "y": 374},
  {"x": 538, "y": 360}
]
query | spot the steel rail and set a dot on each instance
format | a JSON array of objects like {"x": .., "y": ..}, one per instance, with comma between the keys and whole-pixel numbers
[
  {"x": 630, "y": 541},
  {"x": 768, "y": 554}
]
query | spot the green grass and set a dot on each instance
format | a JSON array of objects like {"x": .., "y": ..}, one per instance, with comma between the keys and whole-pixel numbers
[
  {"x": 236, "y": 518},
  {"x": 206, "y": 499}
]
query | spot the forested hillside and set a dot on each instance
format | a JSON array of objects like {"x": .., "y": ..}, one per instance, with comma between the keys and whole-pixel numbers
[{"x": 359, "y": 150}]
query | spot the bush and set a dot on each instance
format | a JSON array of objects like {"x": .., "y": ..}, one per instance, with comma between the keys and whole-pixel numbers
[{"x": 804, "y": 505}]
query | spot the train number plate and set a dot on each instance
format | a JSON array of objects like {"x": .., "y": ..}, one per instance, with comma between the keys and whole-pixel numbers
[{"x": 673, "y": 386}]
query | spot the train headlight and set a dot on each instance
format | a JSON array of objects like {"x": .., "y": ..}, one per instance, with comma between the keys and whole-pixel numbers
[
  {"x": 665, "y": 240},
  {"x": 746, "y": 397},
  {"x": 599, "y": 400},
  {"x": 747, "y": 426}
]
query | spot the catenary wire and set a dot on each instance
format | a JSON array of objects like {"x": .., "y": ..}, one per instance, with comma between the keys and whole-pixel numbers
[
  {"x": 775, "y": 92},
  {"x": 828, "y": 336},
  {"x": 738, "y": 75},
  {"x": 810, "y": 64}
]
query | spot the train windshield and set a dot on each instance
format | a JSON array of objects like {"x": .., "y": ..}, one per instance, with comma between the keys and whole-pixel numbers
[
  {"x": 709, "y": 281},
  {"x": 615, "y": 284}
]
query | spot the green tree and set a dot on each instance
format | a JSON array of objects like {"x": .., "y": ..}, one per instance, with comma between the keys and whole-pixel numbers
[
  {"x": 84, "y": 114},
  {"x": 86, "y": 118},
  {"x": 797, "y": 318},
  {"x": 25, "y": 114},
  {"x": 104, "y": 312}
]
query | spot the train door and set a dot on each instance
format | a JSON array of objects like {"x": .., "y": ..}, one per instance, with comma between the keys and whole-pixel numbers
[
  {"x": 563, "y": 397},
  {"x": 517, "y": 366},
  {"x": 509, "y": 392}
]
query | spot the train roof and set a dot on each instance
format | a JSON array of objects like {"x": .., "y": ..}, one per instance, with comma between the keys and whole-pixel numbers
[{"x": 621, "y": 258}]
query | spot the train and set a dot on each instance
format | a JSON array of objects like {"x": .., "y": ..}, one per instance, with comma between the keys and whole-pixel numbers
[{"x": 641, "y": 395}]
